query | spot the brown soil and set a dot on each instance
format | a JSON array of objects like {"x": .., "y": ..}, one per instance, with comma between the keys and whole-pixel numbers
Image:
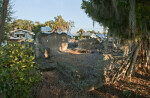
[
  {"x": 138, "y": 87},
  {"x": 53, "y": 86}
]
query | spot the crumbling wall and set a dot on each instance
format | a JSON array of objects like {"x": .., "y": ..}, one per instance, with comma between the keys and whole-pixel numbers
[
  {"x": 90, "y": 44},
  {"x": 51, "y": 44}
]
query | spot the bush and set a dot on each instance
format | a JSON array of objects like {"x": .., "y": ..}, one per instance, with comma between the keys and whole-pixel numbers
[{"x": 18, "y": 72}]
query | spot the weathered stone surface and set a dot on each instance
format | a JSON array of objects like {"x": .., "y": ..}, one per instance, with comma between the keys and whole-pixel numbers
[
  {"x": 89, "y": 44},
  {"x": 53, "y": 43},
  {"x": 73, "y": 45}
]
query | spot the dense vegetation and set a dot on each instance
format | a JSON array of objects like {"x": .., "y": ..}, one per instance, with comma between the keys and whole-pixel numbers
[
  {"x": 128, "y": 22},
  {"x": 18, "y": 71}
]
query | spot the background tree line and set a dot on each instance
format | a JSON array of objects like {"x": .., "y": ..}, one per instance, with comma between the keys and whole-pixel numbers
[
  {"x": 58, "y": 24},
  {"x": 9, "y": 23}
]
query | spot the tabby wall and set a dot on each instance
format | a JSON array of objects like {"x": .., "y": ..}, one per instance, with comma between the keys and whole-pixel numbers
[{"x": 53, "y": 43}]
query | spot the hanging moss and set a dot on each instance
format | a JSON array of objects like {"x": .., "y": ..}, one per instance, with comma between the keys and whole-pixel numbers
[{"x": 128, "y": 21}]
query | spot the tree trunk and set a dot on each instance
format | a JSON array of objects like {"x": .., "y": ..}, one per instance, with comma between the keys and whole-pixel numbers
[
  {"x": 2, "y": 18},
  {"x": 131, "y": 69}
]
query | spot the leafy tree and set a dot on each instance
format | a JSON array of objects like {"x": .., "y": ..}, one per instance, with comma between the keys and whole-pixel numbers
[
  {"x": 59, "y": 24},
  {"x": 49, "y": 23},
  {"x": 23, "y": 24},
  {"x": 92, "y": 31},
  {"x": 37, "y": 27},
  {"x": 28, "y": 25},
  {"x": 18, "y": 71},
  {"x": 81, "y": 31},
  {"x": 18, "y": 24},
  {"x": 37, "y": 23},
  {"x": 129, "y": 22}
]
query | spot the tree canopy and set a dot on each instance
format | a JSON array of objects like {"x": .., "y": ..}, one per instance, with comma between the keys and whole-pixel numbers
[
  {"x": 129, "y": 22},
  {"x": 23, "y": 24},
  {"x": 92, "y": 31},
  {"x": 81, "y": 31},
  {"x": 58, "y": 24},
  {"x": 123, "y": 18}
]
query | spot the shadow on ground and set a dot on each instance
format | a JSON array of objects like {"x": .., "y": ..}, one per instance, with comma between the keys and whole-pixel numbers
[{"x": 138, "y": 87}]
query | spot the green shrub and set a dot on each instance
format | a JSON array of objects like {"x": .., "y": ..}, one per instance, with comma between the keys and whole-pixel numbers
[{"x": 18, "y": 72}]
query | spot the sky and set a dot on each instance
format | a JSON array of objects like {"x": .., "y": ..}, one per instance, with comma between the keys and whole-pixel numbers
[{"x": 45, "y": 10}]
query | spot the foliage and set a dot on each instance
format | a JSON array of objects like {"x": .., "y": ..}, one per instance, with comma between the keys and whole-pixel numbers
[
  {"x": 81, "y": 31},
  {"x": 18, "y": 72},
  {"x": 49, "y": 23},
  {"x": 37, "y": 27},
  {"x": 23, "y": 24},
  {"x": 92, "y": 31},
  {"x": 128, "y": 21},
  {"x": 115, "y": 15},
  {"x": 59, "y": 24},
  {"x": 81, "y": 36},
  {"x": 27, "y": 25}
]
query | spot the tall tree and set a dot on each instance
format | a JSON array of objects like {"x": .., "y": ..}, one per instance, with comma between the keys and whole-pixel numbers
[
  {"x": 129, "y": 22},
  {"x": 59, "y": 24},
  {"x": 3, "y": 17},
  {"x": 37, "y": 23},
  {"x": 18, "y": 24},
  {"x": 49, "y": 23},
  {"x": 23, "y": 24},
  {"x": 28, "y": 25},
  {"x": 37, "y": 27}
]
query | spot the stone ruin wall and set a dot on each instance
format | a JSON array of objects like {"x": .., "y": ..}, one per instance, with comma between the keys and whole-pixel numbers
[
  {"x": 89, "y": 44},
  {"x": 50, "y": 45}
]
